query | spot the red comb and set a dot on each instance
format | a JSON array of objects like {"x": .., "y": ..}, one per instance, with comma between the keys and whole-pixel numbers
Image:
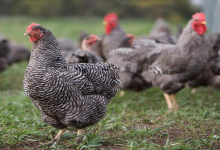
[
  {"x": 31, "y": 25},
  {"x": 199, "y": 15},
  {"x": 111, "y": 16}
]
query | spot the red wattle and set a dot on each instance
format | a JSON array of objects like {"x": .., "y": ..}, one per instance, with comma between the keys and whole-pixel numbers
[
  {"x": 199, "y": 28},
  {"x": 32, "y": 38},
  {"x": 108, "y": 29}
]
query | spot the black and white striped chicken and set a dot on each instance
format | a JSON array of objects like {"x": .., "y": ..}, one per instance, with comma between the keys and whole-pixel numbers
[{"x": 67, "y": 95}]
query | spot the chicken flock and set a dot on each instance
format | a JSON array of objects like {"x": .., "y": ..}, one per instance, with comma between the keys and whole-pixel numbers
[{"x": 71, "y": 85}]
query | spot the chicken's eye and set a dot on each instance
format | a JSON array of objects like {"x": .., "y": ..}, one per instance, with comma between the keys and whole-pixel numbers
[{"x": 35, "y": 30}]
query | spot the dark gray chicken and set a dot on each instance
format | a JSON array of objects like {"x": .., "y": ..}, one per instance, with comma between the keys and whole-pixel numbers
[
  {"x": 12, "y": 52},
  {"x": 171, "y": 66},
  {"x": 67, "y": 95},
  {"x": 113, "y": 38},
  {"x": 85, "y": 55},
  {"x": 207, "y": 76},
  {"x": 18, "y": 52}
]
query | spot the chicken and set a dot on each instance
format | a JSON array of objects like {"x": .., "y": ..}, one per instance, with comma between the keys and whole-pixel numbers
[
  {"x": 18, "y": 52},
  {"x": 85, "y": 55},
  {"x": 66, "y": 46},
  {"x": 207, "y": 76},
  {"x": 67, "y": 95},
  {"x": 12, "y": 52},
  {"x": 171, "y": 66},
  {"x": 113, "y": 38}
]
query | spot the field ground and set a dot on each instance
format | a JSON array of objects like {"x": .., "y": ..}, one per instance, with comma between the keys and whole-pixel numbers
[{"x": 127, "y": 124}]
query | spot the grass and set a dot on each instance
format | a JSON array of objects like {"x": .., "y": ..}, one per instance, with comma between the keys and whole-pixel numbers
[{"x": 127, "y": 125}]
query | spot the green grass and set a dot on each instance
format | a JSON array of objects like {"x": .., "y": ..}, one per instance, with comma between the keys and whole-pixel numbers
[{"x": 127, "y": 125}]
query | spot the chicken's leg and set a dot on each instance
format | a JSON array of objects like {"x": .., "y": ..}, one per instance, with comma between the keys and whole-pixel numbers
[
  {"x": 193, "y": 91},
  {"x": 174, "y": 102},
  {"x": 168, "y": 100},
  {"x": 57, "y": 137},
  {"x": 80, "y": 134}
]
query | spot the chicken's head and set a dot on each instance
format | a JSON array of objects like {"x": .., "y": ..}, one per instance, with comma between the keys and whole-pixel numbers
[
  {"x": 199, "y": 23},
  {"x": 88, "y": 41},
  {"x": 131, "y": 38},
  {"x": 110, "y": 22},
  {"x": 34, "y": 31}
]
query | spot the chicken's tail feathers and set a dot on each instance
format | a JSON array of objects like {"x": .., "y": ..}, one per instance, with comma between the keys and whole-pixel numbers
[{"x": 102, "y": 76}]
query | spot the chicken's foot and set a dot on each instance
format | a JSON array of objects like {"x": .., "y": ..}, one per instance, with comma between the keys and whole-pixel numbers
[
  {"x": 174, "y": 102},
  {"x": 122, "y": 93},
  {"x": 193, "y": 91},
  {"x": 54, "y": 140},
  {"x": 153, "y": 121},
  {"x": 168, "y": 100},
  {"x": 80, "y": 135}
]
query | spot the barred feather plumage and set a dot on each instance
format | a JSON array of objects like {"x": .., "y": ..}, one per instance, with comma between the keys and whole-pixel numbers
[{"x": 67, "y": 95}]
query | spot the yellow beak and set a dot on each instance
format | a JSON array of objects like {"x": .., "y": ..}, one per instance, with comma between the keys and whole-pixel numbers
[
  {"x": 104, "y": 22},
  {"x": 27, "y": 33},
  {"x": 203, "y": 22}
]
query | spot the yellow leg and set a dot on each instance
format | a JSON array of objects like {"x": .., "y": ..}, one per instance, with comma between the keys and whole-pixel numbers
[
  {"x": 174, "y": 102},
  {"x": 122, "y": 93},
  {"x": 80, "y": 134},
  {"x": 57, "y": 137},
  {"x": 193, "y": 91},
  {"x": 168, "y": 100}
]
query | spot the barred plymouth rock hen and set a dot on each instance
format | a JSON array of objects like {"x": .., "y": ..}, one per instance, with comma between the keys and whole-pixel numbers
[
  {"x": 171, "y": 66},
  {"x": 67, "y": 95}
]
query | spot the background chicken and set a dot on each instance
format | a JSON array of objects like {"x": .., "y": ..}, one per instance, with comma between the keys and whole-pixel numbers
[
  {"x": 11, "y": 52},
  {"x": 172, "y": 65},
  {"x": 114, "y": 36},
  {"x": 85, "y": 54},
  {"x": 67, "y": 95}
]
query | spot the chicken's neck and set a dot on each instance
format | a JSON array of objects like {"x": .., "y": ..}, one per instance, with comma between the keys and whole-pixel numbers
[
  {"x": 189, "y": 39},
  {"x": 45, "y": 53}
]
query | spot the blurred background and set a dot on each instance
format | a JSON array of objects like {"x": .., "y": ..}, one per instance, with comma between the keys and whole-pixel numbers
[{"x": 149, "y": 9}]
